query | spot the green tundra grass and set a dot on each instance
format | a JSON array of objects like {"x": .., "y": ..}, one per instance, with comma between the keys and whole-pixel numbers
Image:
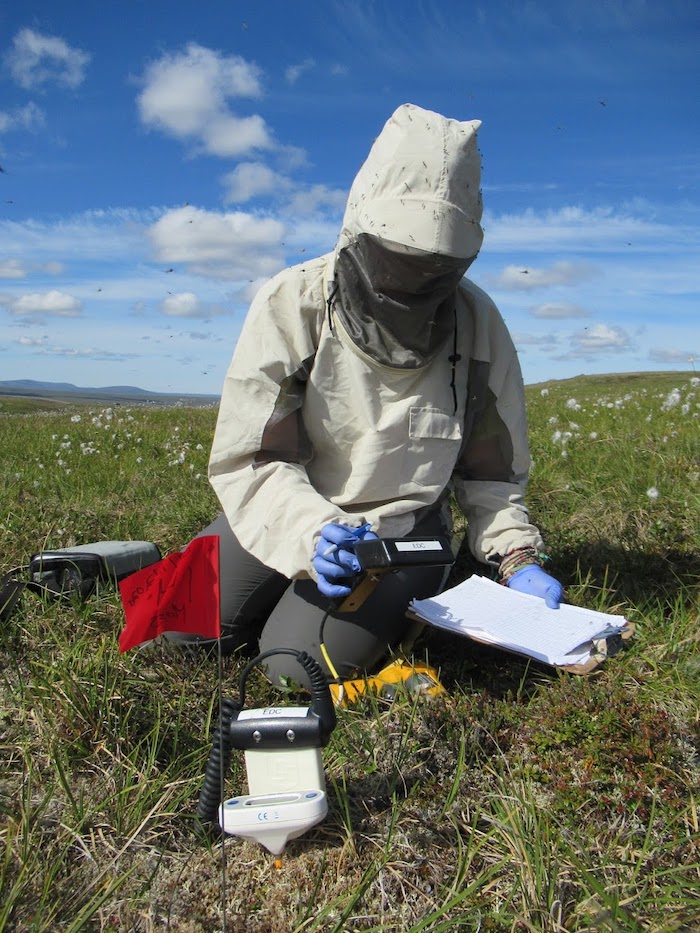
[{"x": 525, "y": 799}]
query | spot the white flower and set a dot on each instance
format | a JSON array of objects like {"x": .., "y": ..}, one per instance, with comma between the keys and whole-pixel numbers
[
  {"x": 139, "y": 459},
  {"x": 573, "y": 404},
  {"x": 544, "y": 392},
  {"x": 653, "y": 492},
  {"x": 75, "y": 419},
  {"x": 553, "y": 420},
  {"x": 593, "y": 435},
  {"x": 672, "y": 399},
  {"x": 556, "y": 437},
  {"x": 199, "y": 447}
]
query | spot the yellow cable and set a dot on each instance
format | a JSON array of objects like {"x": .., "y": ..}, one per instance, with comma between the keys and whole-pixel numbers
[{"x": 326, "y": 658}]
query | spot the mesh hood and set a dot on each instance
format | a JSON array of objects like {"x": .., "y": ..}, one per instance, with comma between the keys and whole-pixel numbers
[
  {"x": 410, "y": 231},
  {"x": 396, "y": 302},
  {"x": 420, "y": 185}
]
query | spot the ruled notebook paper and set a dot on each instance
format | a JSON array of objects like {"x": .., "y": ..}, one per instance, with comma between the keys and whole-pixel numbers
[{"x": 490, "y": 612}]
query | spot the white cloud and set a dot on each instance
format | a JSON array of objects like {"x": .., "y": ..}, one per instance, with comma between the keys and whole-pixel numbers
[
  {"x": 600, "y": 339},
  {"x": 317, "y": 198},
  {"x": 187, "y": 95},
  {"x": 575, "y": 228},
  {"x": 40, "y": 304},
  {"x": 526, "y": 278},
  {"x": 338, "y": 70},
  {"x": 208, "y": 337},
  {"x": 246, "y": 294},
  {"x": 187, "y": 304},
  {"x": 28, "y": 117},
  {"x": 32, "y": 341},
  {"x": 233, "y": 245},
  {"x": 16, "y": 269},
  {"x": 662, "y": 355},
  {"x": 250, "y": 179},
  {"x": 12, "y": 269},
  {"x": 52, "y": 268},
  {"x": 290, "y": 158},
  {"x": 36, "y": 59},
  {"x": 110, "y": 236},
  {"x": 294, "y": 72},
  {"x": 541, "y": 341},
  {"x": 89, "y": 353},
  {"x": 559, "y": 310}
]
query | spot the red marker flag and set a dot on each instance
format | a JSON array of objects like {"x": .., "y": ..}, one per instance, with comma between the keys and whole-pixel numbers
[{"x": 177, "y": 594}]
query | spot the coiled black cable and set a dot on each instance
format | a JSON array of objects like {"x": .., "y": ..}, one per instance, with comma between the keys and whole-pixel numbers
[
  {"x": 211, "y": 795},
  {"x": 217, "y": 764}
]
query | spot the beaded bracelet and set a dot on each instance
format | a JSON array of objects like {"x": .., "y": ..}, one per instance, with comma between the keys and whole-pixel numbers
[{"x": 516, "y": 560}]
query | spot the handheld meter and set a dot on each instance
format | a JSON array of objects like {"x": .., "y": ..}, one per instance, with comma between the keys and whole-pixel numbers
[
  {"x": 282, "y": 747},
  {"x": 378, "y": 556}
]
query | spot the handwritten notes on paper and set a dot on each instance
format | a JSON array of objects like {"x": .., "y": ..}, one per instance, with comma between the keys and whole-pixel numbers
[
  {"x": 178, "y": 594},
  {"x": 491, "y": 613}
]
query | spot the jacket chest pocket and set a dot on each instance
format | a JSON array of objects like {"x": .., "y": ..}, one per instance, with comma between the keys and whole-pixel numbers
[{"x": 434, "y": 441}]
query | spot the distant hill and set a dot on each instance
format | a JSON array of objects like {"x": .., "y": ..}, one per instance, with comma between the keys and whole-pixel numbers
[
  {"x": 34, "y": 385},
  {"x": 66, "y": 391}
]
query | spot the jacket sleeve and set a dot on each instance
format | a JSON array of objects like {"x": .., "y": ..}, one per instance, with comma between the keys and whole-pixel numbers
[
  {"x": 260, "y": 447},
  {"x": 490, "y": 477}
]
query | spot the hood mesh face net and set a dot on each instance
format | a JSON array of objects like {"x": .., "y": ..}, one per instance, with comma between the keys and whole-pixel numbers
[{"x": 396, "y": 302}]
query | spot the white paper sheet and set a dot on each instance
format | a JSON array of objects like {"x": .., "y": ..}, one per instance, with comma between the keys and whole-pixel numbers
[{"x": 492, "y": 613}]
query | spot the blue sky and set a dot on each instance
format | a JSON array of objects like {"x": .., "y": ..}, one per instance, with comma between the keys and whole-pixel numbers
[{"x": 161, "y": 160}]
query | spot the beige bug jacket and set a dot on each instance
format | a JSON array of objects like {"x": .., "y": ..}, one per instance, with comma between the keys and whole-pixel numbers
[{"x": 312, "y": 428}]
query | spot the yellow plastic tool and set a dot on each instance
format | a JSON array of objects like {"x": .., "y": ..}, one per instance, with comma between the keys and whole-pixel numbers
[{"x": 411, "y": 676}]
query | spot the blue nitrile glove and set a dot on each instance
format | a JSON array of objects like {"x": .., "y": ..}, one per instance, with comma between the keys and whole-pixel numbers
[
  {"x": 533, "y": 580},
  {"x": 335, "y": 561}
]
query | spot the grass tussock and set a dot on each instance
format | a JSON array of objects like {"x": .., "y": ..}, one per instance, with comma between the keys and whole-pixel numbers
[{"x": 523, "y": 800}]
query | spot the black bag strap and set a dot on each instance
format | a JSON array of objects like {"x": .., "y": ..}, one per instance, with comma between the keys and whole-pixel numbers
[
  {"x": 12, "y": 586},
  {"x": 10, "y": 592}
]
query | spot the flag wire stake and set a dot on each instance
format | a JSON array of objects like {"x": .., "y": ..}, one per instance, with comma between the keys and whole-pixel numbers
[{"x": 220, "y": 667}]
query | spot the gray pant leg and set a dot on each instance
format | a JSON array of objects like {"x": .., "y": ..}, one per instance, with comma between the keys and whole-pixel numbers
[
  {"x": 248, "y": 591},
  {"x": 355, "y": 641},
  {"x": 252, "y": 596}
]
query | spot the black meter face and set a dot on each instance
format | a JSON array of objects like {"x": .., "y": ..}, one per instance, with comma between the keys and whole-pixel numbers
[{"x": 393, "y": 553}]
